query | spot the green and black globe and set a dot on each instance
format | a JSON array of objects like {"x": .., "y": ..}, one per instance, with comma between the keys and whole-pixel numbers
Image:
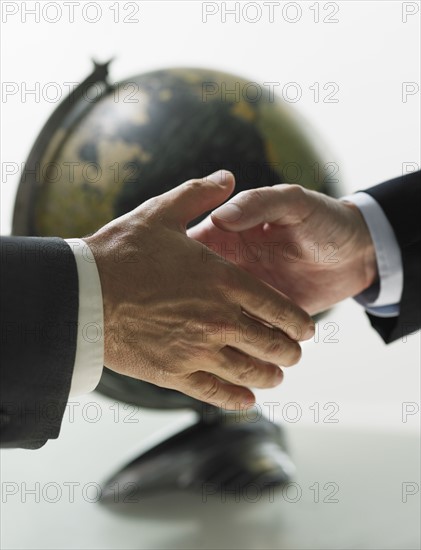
[
  {"x": 107, "y": 149},
  {"x": 114, "y": 150}
]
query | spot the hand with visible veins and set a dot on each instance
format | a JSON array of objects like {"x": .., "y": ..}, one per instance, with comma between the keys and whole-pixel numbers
[
  {"x": 315, "y": 249},
  {"x": 181, "y": 317}
]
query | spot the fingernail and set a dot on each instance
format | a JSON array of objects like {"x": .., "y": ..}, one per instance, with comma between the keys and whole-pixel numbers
[
  {"x": 220, "y": 176},
  {"x": 228, "y": 212}
]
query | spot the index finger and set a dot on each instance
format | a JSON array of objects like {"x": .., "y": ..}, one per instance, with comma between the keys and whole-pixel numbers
[{"x": 265, "y": 303}]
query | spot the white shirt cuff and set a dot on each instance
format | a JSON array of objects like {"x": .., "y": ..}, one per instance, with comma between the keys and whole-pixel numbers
[
  {"x": 382, "y": 299},
  {"x": 89, "y": 359}
]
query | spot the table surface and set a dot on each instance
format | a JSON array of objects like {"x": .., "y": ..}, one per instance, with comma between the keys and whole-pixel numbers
[{"x": 347, "y": 493}]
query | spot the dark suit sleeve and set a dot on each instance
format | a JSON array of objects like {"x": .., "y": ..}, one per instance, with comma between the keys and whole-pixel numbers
[
  {"x": 39, "y": 310},
  {"x": 400, "y": 200}
]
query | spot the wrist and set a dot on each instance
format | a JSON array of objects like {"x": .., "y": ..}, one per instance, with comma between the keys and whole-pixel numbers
[{"x": 364, "y": 260}]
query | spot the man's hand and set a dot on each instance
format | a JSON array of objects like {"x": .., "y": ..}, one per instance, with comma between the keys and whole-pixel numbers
[
  {"x": 182, "y": 317},
  {"x": 315, "y": 249}
]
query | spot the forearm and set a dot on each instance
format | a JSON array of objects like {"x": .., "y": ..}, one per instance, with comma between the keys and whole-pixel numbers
[
  {"x": 39, "y": 294},
  {"x": 394, "y": 303}
]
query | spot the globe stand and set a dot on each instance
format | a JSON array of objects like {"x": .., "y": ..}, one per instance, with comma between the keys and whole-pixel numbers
[{"x": 223, "y": 451}]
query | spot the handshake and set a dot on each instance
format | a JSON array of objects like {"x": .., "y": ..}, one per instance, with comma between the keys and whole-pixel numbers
[{"x": 223, "y": 306}]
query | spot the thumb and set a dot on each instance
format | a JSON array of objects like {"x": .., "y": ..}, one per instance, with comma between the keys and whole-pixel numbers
[
  {"x": 194, "y": 197},
  {"x": 277, "y": 204}
]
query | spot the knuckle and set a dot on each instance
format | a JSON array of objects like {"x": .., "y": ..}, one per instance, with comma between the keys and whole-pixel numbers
[
  {"x": 296, "y": 194},
  {"x": 275, "y": 348},
  {"x": 287, "y": 313},
  {"x": 247, "y": 374},
  {"x": 210, "y": 390},
  {"x": 192, "y": 330},
  {"x": 255, "y": 197},
  {"x": 196, "y": 353},
  {"x": 296, "y": 191},
  {"x": 194, "y": 184},
  {"x": 285, "y": 351}
]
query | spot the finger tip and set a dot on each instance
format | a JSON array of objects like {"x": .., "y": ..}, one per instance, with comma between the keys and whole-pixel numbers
[
  {"x": 227, "y": 175},
  {"x": 248, "y": 401},
  {"x": 222, "y": 177},
  {"x": 279, "y": 376},
  {"x": 309, "y": 333},
  {"x": 226, "y": 214}
]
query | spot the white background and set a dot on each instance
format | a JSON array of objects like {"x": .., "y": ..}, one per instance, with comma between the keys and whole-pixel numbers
[{"x": 370, "y": 52}]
